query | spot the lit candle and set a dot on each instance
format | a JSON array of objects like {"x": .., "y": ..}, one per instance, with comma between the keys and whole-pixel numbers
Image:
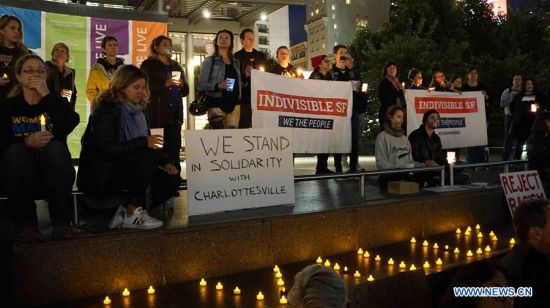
[
  {"x": 495, "y": 238},
  {"x": 488, "y": 249},
  {"x": 533, "y": 108},
  {"x": 425, "y": 244},
  {"x": 491, "y": 234},
  {"x": 42, "y": 123},
  {"x": 360, "y": 251},
  {"x": 357, "y": 274},
  {"x": 6, "y": 76},
  {"x": 390, "y": 261},
  {"x": 279, "y": 274},
  {"x": 260, "y": 296},
  {"x": 280, "y": 282},
  {"x": 436, "y": 246},
  {"x": 456, "y": 250},
  {"x": 237, "y": 291},
  {"x": 427, "y": 265},
  {"x": 403, "y": 84},
  {"x": 276, "y": 269},
  {"x": 479, "y": 251},
  {"x": 512, "y": 241},
  {"x": 458, "y": 231},
  {"x": 283, "y": 291},
  {"x": 262, "y": 69},
  {"x": 219, "y": 286},
  {"x": 283, "y": 300},
  {"x": 469, "y": 253},
  {"x": 319, "y": 260},
  {"x": 327, "y": 263},
  {"x": 413, "y": 267},
  {"x": 125, "y": 292},
  {"x": 151, "y": 290},
  {"x": 370, "y": 278},
  {"x": 478, "y": 227},
  {"x": 451, "y": 159},
  {"x": 299, "y": 72},
  {"x": 413, "y": 240},
  {"x": 336, "y": 267},
  {"x": 345, "y": 269},
  {"x": 107, "y": 300},
  {"x": 446, "y": 247},
  {"x": 402, "y": 265},
  {"x": 377, "y": 258},
  {"x": 480, "y": 235},
  {"x": 203, "y": 282},
  {"x": 367, "y": 254},
  {"x": 468, "y": 229},
  {"x": 438, "y": 262},
  {"x": 467, "y": 232}
]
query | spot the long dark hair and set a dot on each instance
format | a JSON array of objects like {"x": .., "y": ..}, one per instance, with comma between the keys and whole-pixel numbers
[
  {"x": 156, "y": 42},
  {"x": 217, "y": 49}
]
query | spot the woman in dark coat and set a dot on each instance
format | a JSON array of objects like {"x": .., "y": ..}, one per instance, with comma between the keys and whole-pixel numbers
[
  {"x": 390, "y": 91},
  {"x": 118, "y": 152}
]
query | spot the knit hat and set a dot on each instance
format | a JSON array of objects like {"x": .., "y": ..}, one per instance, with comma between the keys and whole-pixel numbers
[
  {"x": 427, "y": 114},
  {"x": 315, "y": 61}
]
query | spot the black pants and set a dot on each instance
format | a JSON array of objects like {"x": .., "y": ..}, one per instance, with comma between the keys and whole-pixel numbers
[
  {"x": 322, "y": 162},
  {"x": 172, "y": 143},
  {"x": 245, "y": 120},
  {"x": 139, "y": 172},
  {"x": 35, "y": 173}
]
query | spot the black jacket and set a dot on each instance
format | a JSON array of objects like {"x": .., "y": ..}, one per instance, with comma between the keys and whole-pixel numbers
[
  {"x": 388, "y": 96},
  {"x": 426, "y": 147},
  {"x": 522, "y": 116},
  {"x": 538, "y": 153},
  {"x": 159, "y": 109},
  {"x": 58, "y": 81},
  {"x": 348, "y": 75},
  {"x": 255, "y": 59},
  {"x": 104, "y": 144}
]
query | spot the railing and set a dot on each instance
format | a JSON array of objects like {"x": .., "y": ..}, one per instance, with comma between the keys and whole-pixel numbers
[{"x": 506, "y": 165}]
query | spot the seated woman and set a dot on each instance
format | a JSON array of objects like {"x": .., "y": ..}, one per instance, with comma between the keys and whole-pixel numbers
[
  {"x": 538, "y": 145},
  {"x": 37, "y": 161},
  {"x": 118, "y": 153},
  {"x": 318, "y": 286},
  {"x": 392, "y": 149}
]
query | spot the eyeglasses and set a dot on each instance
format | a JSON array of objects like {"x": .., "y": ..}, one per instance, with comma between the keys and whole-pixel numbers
[
  {"x": 32, "y": 71},
  {"x": 326, "y": 60}
]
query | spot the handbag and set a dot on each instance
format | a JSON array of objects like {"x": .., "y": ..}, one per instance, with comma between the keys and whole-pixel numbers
[{"x": 198, "y": 106}]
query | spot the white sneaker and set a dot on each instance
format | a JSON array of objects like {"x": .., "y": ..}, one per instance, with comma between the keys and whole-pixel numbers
[
  {"x": 345, "y": 163},
  {"x": 141, "y": 220},
  {"x": 118, "y": 219}
]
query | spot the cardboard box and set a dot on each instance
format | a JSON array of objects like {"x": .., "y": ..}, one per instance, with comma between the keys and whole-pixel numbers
[{"x": 403, "y": 187}]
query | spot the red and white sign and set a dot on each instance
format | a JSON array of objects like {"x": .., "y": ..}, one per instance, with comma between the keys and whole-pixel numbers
[
  {"x": 462, "y": 116},
  {"x": 519, "y": 186},
  {"x": 317, "y": 112}
]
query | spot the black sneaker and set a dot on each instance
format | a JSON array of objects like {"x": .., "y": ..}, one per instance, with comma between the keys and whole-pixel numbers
[{"x": 323, "y": 171}]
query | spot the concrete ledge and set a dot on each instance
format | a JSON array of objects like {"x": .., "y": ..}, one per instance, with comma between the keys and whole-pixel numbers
[{"x": 56, "y": 271}]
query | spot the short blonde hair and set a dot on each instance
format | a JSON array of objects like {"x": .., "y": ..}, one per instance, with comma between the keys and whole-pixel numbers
[{"x": 318, "y": 286}]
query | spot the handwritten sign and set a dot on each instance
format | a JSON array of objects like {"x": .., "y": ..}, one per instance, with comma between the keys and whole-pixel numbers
[
  {"x": 238, "y": 169},
  {"x": 519, "y": 186}
]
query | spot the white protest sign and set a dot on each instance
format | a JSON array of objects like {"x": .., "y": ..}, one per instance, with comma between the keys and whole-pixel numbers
[
  {"x": 317, "y": 111},
  {"x": 462, "y": 116},
  {"x": 519, "y": 186},
  {"x": 231, "y": 169}
]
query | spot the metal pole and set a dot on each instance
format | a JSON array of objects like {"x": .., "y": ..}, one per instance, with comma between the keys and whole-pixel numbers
[
  {"x": 442, "y": 177},
  {"x": 76, "y": 223},
  {"x": 451, "y": 175},
  {"x": 362, "y": 186},
  {"x": 189, "y": 57},
  {"x": 506, "y": 168}
]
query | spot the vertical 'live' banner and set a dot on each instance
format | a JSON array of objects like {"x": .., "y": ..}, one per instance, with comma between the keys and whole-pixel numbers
[
  {"x": 143, "y": 33},
  {"x": 100, "y": 28},
  {"x": 233, "y": 169},
  {"x": 69, "y": 29}
]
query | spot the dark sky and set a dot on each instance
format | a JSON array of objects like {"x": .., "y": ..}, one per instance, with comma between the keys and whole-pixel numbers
[{"x": 297, "y": 20}]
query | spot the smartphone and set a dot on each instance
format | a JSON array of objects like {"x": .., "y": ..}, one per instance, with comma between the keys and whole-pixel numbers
[{"x": 343, "y": 58}]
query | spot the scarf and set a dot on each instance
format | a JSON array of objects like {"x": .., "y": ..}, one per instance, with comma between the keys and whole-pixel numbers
[
  {"x": 395, "y": 132},
  {"x": 133, "y": 120},
  {"x": 395, "y": 83}
]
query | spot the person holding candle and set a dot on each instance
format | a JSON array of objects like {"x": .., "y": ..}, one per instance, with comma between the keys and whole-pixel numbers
[
  {"x": 524, "y": 107},
  {"x": 249, "y": 58},
  {"x": 37, "y": 161},
  {"x": 505, "y": 101},
  {"x": 318, "y": 286},
  {"x": 168, "y": 85},
  {"x": 11, "y": 49},
  {"x": 439, "y": 82},
  {"x": 538, "y": 145},
  {"x": 528, "y": 262},
  {"x": 104, "y": 69},
  {"x": 118, "y": 153},
  {"x": 392, "y": 149},
  {"x": 390, "y": 91},
  {"x": 415, "y": 77},
  {"x": 283, "y": 67},
  {"x": 60, "y": 77},
  {"x": 220, "y": 79}
]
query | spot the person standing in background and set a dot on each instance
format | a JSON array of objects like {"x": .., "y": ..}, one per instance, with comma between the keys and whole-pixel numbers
[
  {"x": 60, "y": 77},
  {"x": 249, "y": 58},
  {"x": 11, "y": 49},
  {"x": 505, "y": 101}
]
